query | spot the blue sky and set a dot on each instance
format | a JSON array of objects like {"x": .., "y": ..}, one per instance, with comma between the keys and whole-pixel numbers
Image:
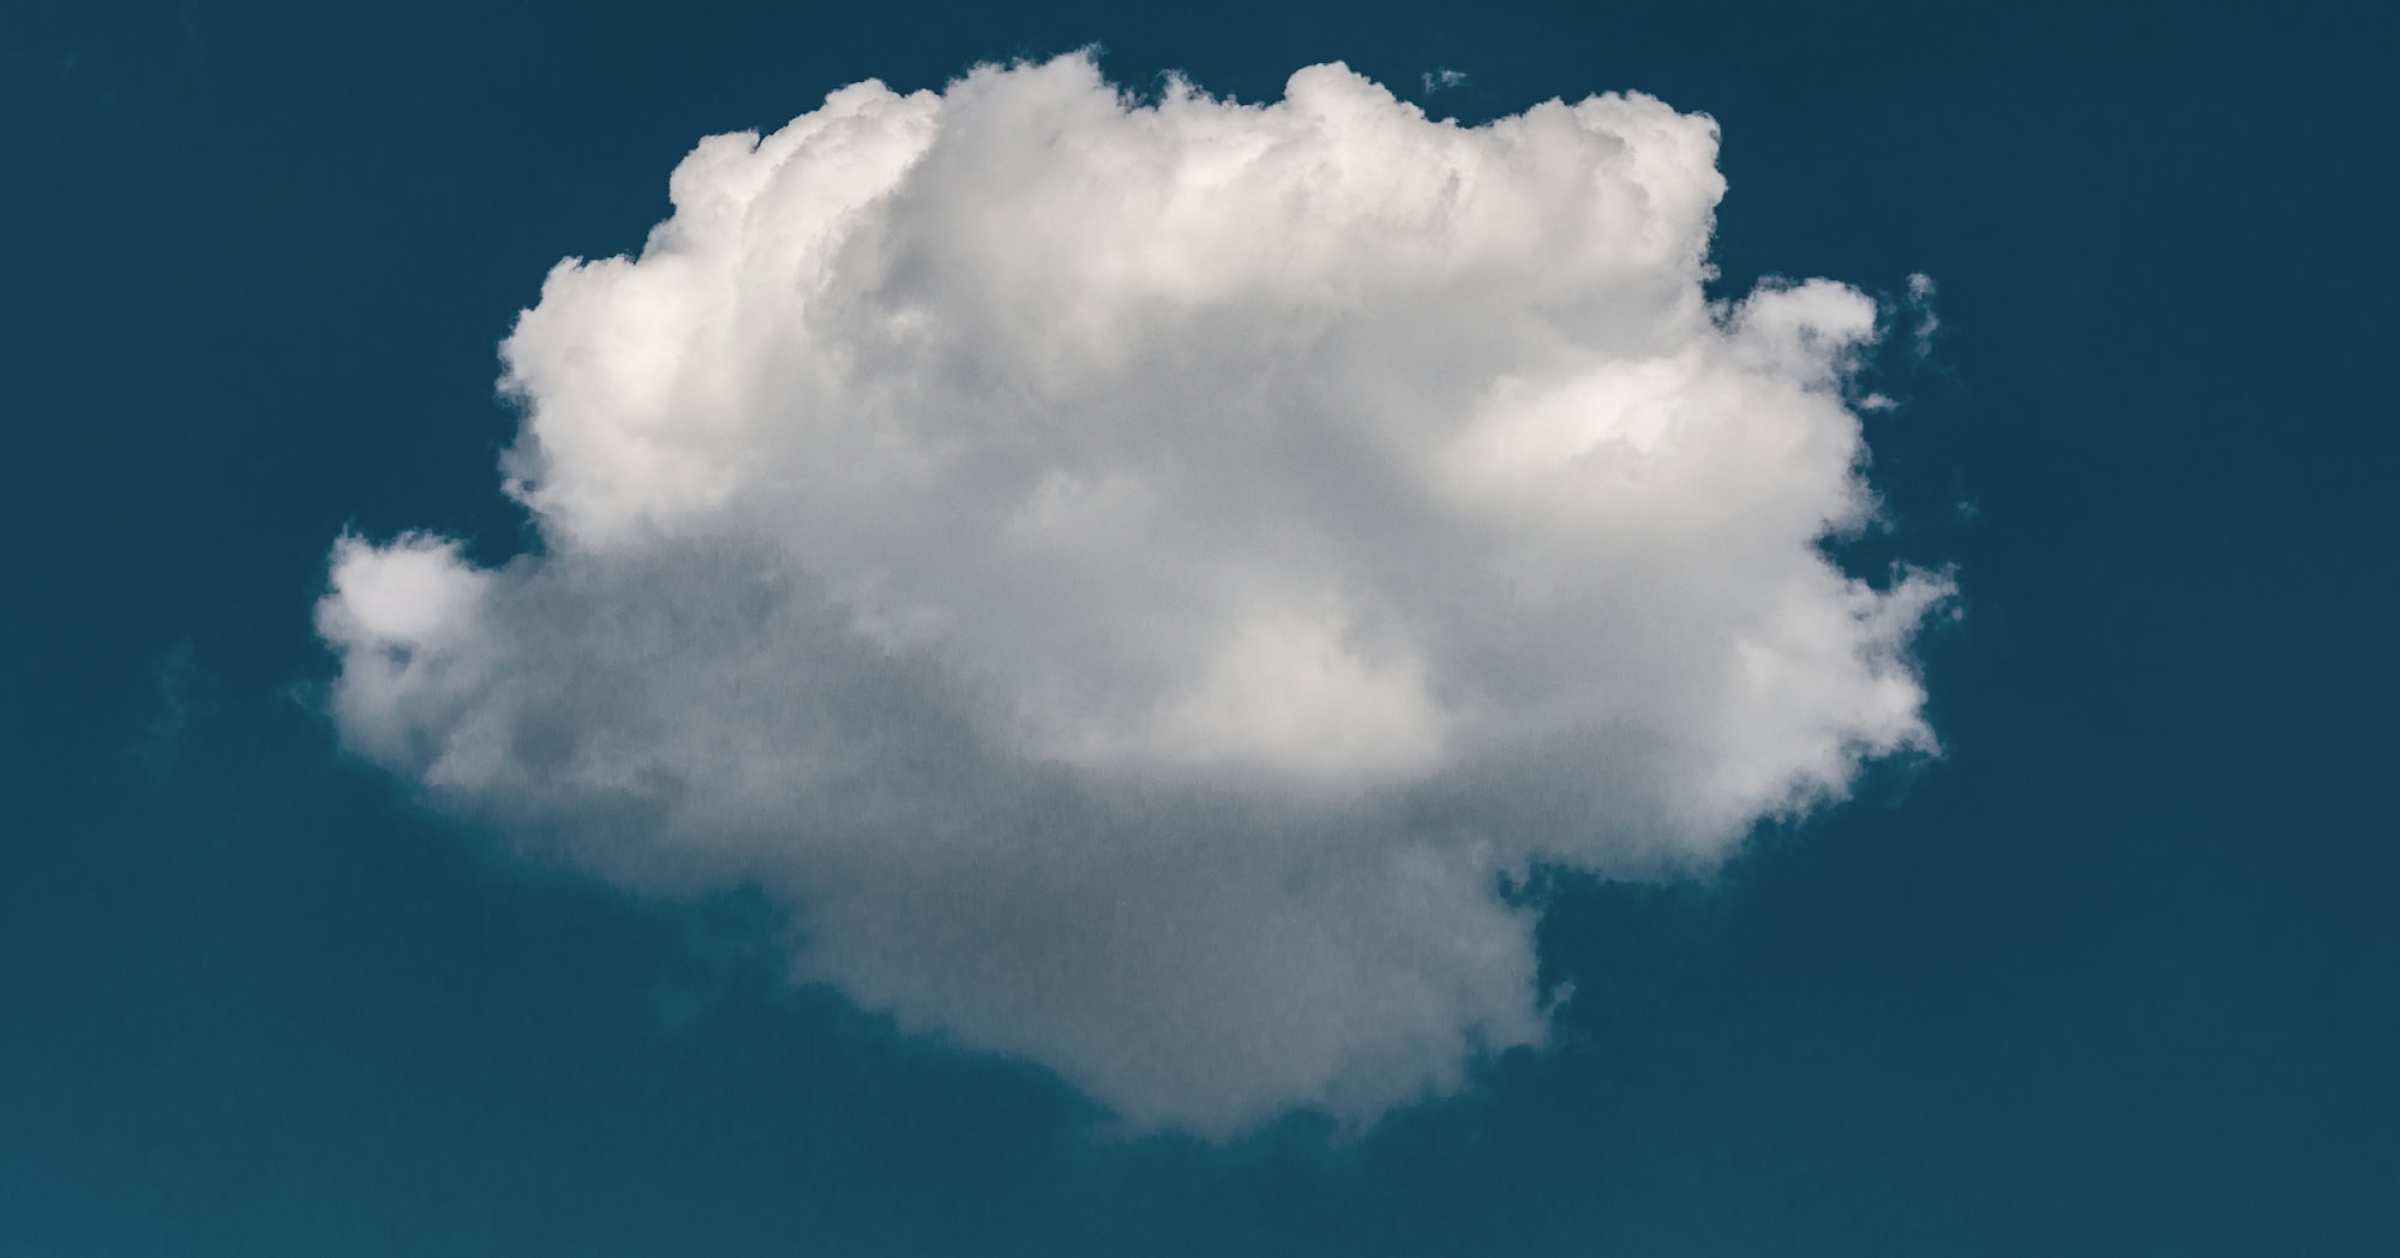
[{"x": 2112, "y": 975}]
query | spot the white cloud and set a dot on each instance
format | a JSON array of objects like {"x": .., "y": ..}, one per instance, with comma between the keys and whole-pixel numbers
[
  {"x": 1920, "y": 300},
  {"x": 1135, "y": 577}
]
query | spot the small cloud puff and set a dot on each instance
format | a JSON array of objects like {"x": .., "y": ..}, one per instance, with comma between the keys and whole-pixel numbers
[
  {"x": 1138, "y": 578},
  {"x": 1920, "y": 302}
]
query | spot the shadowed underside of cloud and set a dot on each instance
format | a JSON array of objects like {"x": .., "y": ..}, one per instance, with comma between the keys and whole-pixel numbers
[{"x": 1138, "y": 577}]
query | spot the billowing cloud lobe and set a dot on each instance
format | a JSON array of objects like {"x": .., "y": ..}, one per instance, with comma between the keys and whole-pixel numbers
[{"x": 1135, "y": 578}]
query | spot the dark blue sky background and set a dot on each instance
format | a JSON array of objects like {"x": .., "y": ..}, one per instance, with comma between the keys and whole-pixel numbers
[{"x": 2120, "y": 976}]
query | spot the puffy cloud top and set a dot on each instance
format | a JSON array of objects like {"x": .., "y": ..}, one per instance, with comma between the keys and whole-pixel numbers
[{"x": 1136, "y": 576}]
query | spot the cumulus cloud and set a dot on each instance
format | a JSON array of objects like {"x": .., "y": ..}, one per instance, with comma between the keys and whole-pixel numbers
[{"x": 1138, "y": 578}]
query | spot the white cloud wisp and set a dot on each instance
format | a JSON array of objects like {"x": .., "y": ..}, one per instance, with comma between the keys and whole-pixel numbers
[{"x": 1135, "y": 577}]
